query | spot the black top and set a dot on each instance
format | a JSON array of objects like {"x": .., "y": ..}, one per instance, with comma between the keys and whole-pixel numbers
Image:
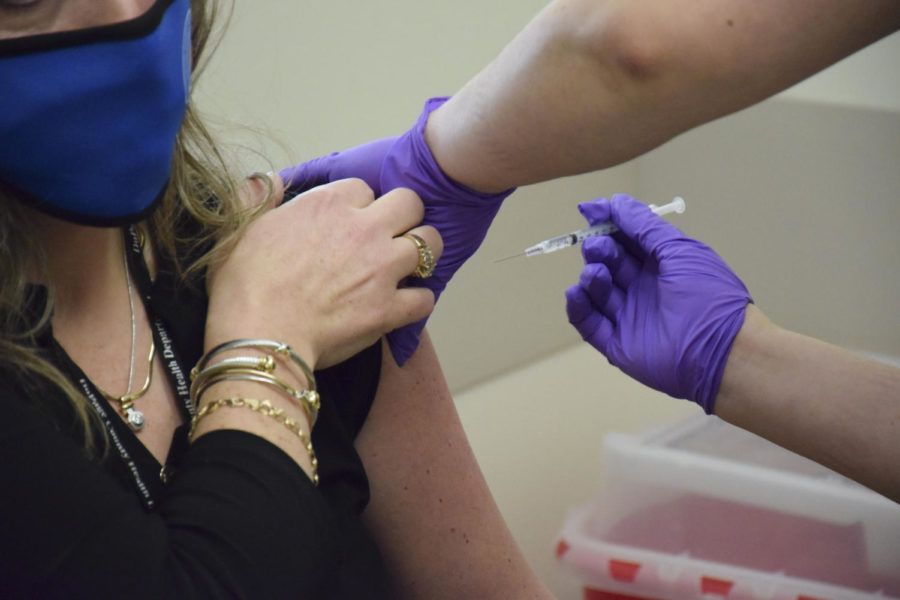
[{"x": 237, "y": 518}]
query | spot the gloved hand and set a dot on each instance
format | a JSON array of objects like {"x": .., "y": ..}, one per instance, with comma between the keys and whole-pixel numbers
[
  {"x": 460, "y": 214},
  {"x": 662, "y": 307}
]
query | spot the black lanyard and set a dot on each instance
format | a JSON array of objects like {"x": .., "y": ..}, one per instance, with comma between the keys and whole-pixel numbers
[
  {"x": 117, "y": 431},
  {"x": 177, "y": 374}
]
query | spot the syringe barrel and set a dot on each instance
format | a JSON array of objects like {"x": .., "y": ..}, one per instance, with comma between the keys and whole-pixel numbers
[
  {"x": 570, "y": 239},
  {"x": 594, "y": 230},
  {"x": 553, "y": 244}
]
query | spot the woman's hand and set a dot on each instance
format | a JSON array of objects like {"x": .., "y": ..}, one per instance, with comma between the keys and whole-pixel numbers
[
  {"x": 462, "y": 215},
  {"x": 321, "y": 273},
  {"x": 662, "y": 307}
]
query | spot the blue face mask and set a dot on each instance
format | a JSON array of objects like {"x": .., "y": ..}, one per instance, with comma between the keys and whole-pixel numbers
[{"x": 88, "y": 118}]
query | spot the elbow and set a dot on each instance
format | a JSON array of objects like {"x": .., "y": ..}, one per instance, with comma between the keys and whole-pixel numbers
[
  {"x": 630, "y": 49},
  {"x": 633, "y": 45}
]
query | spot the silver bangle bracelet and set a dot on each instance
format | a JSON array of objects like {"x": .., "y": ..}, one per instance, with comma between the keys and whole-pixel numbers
[{"x": 276, "y": 347}]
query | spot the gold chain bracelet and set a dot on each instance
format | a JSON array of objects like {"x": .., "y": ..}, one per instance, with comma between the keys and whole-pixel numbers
[
  {"x": 308, "y": 400},
  {"x": 264, "y": 407}
]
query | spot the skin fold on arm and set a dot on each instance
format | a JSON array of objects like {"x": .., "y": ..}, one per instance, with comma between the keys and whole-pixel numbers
[{"x": 590, "y": 84}]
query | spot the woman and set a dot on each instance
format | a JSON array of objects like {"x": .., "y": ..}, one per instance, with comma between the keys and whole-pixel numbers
[{"x": 124, "y": 475}]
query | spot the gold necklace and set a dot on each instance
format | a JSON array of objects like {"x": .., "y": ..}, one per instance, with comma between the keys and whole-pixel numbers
[{"x": 125, "y": 402}]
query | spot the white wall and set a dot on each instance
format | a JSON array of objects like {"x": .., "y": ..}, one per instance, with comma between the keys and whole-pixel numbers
[
  {"x": 798, "y": 194},
  {"x": 868, "y": 79}
]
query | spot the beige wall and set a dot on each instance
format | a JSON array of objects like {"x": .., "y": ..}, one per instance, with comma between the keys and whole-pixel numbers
[{"x": 799, "y": 195}]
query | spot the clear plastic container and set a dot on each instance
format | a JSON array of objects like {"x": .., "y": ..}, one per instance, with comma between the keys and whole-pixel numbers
[{"x": 702, "y": 509}]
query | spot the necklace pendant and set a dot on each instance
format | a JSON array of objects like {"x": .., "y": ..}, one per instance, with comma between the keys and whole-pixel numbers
[{"x": 135, "y": 418}]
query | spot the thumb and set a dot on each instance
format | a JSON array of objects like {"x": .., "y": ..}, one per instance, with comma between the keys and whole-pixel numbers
[{"x": 638, "y": 222}]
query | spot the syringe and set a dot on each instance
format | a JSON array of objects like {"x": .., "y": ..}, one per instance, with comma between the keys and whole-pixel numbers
[{"x": 570, "y": 239}]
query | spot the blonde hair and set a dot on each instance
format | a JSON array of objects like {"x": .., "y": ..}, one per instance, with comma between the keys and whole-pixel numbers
[{"x": 199, "y": 174}]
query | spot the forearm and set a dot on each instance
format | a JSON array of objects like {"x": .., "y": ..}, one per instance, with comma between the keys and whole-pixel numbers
[
  {"x": 826, "y": 403},
  {"x": 233, "y": 498},
  {"x": 271, "y": 429},
  {"x": 587, "y": 85}
]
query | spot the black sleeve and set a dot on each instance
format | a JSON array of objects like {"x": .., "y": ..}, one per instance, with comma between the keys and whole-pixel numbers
[{"x": 240, "y": 520}]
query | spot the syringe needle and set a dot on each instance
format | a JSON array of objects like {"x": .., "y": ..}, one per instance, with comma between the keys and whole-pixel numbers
[
  {"x": 572, "y": 238},
  {"x": 509, "y": 257}
]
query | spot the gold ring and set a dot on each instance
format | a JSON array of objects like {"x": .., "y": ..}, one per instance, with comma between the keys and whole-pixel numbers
[{"x": 425, "y": 267}]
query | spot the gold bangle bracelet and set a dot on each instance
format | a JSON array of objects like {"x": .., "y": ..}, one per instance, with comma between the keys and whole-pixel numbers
[
  {"x": 256, "y": 364},
  {"x": 263, "y": 407},
  {"x": 276, "y": 347},
  {"x": 308, "y": 400}
]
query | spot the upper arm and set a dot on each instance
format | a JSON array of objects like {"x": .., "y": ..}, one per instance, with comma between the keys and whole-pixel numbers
[
  {"x": 599, "y": 82},
  {"x": 431, "y": 512},
  {"x": 725, "y": 54}
]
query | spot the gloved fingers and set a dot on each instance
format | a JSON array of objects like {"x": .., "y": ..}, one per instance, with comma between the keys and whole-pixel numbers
[
  {"x": 593, "y": 327},
  {"x": 361, "y": 162},
  {"x": 364, "y": 162},
  {"x": 463, "y": 230},
  {"x": 305, "y": 176},
  {"x": 623, "y": 266},
  {"x": 639, "y": 223},
  {"x": 600, "y": 211},
  {"x": 404, "y": 341},
  {"x": 595, "y": 211},
  {"x": 596, "y": 280},
  {"x": 601, "y": 248},
  {"x": 412, "y": 254},
  {"x": 606, "y": 297},
  {"x": 578, "y": 305},
  {"x": 461, "y": 215}
]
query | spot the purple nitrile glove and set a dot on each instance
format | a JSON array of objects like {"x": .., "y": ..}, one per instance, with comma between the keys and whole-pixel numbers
[
  {"x": 662, "y": 307},
  {"x": 460, "y": 214},
  {"x": 363, "y": 162}
]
